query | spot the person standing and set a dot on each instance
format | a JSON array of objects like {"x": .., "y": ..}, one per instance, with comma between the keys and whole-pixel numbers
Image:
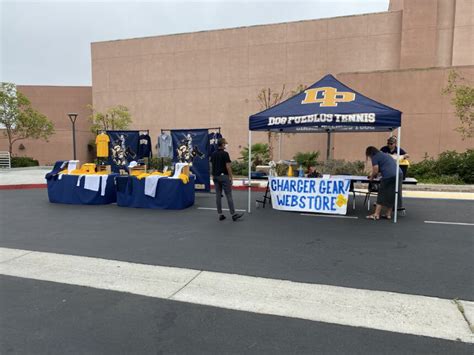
[
  {"x": 391, "y": 148},
  {"x": 384, "y": 165},
  {"x": 222, "y": 177}
]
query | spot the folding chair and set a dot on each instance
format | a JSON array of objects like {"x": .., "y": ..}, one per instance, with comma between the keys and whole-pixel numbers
[{"x": 266, "y": 196}]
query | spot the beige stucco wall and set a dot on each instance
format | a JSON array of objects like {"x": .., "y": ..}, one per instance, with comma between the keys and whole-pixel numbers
[
  {"x": 205, "y": 79},
  {"x": 463, "y": 42},
  {"x": 436, "y": 32},
  {"x": 55, "y": 102},
  {"x": 428, "y": 120},
  {"x": 212, "y": 78}
]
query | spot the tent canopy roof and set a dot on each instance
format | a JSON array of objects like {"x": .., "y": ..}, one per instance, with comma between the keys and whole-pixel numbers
[{"x": 327, "y": 106}]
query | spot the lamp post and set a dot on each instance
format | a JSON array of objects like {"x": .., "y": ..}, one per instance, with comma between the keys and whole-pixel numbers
[{"x": 73, "y": 117}]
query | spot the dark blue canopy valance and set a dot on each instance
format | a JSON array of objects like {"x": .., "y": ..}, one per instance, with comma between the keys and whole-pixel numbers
[{"x": 327, "y": 106}]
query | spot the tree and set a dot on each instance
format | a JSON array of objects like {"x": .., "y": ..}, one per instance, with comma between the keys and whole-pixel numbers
[
  {"x": 260, "y": 154},
  {"x": 306, "y": 159},
  {"x": 19, "y": 120},
  {"x": 267, "y": 98},
  {"x": 463, "y": 102},
  {"x": 115, "y": 118}
]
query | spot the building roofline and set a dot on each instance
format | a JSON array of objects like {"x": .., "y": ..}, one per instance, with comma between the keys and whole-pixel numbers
[
  {"x": 408, "y": 69},
  {"x": 241, "y": 27},
  {"x": 55, "y": 86}
]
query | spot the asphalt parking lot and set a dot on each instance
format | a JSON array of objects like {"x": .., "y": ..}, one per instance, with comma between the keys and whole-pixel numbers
[
  {"x": 380, "y": 255},
  {"x": 412, "y": 257}
]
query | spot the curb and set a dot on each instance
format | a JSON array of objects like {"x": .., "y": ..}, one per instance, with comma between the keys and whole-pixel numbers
[
  {"x": 43, "y": 186},
  {"x": 23, "y": 187}
]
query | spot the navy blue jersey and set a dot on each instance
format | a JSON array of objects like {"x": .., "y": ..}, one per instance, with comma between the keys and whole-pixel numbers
[
  {"x": 213, "y": 138},
  {"x": 386, "y": 149},
  {"x": 144, "y": 147}
]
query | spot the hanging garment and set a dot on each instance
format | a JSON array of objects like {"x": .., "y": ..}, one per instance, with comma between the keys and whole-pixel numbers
[
  {"x": 102, "y": 142},
  {"x": 72, "y": 165},
  {"x": 178, "y": 168},
  {"x": 103, "y": 184},
  {"x": 92, "y": 182},
  {"x": 57, "y": 169},
  {"x": 144, "y": 147},
  {"x": 213, "y": 140},
  {"x": 151, "y": 182},
  {"x": 165, "y": 146},
  {"x": 123, "y": 149}
]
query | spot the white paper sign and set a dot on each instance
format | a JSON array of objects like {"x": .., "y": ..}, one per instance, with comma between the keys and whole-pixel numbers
[{"x": 310, "y": 195}]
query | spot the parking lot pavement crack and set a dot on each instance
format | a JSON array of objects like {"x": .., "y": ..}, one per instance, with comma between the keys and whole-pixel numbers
[
  {"x": 187, "y": 283},
  {"x": 15, "y": 257},
  {"x": 466, "y": 313}
]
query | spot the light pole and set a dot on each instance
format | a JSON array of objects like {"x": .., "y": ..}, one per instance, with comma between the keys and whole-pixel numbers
[{"x": 73, "y": 117}]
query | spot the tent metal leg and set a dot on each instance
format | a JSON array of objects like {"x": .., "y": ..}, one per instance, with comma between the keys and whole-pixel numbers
[
  {"x": 397, "y": 176},
  {"x": 250, "y": 173},
  {"x": 279, "y": 145}
]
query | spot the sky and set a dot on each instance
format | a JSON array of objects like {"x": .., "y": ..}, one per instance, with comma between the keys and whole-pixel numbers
[{"x": 48, "y": 42}]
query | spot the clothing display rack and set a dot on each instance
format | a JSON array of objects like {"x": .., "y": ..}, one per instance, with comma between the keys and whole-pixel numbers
[
  {"x": 218, "y": 129},
  {"x": 184, "y": 129},
  {"x": 142, "y": 131}
]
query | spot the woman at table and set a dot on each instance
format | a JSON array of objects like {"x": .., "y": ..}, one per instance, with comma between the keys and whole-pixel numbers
[{"x": 384, "y": 165}]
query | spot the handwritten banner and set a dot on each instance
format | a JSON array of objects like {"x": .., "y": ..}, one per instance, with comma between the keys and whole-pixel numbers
[{"x": 310, "y": 195}]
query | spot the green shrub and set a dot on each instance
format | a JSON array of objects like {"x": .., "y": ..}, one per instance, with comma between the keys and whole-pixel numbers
[
  {"x": 450, "y": 168},
  {"x": 240, "y": 168},
  {"x": 157, "y": 163},
  {"x": 342, "y": 167},
  {"x": 442, "y": 179},
  {"x": 260, "y": 155},
  {"x": 21, "y": 162},
  {"x": 306, "y": 159}
]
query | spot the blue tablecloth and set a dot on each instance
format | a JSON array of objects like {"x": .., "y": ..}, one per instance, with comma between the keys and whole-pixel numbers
[
  {"x": 171, "y": 194},
  {"x": 64, "y": 190}
]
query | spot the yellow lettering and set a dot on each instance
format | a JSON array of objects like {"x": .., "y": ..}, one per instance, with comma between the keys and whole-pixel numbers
[{"x": 331, "y": 97}]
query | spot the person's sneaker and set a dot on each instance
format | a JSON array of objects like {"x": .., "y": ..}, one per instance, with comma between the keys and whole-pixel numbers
[
  {"x": 236, "y": 216},
  {"x": 221, "y": 217}
]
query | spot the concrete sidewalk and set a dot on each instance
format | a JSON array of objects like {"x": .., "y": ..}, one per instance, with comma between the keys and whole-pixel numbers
[
  {"x": 24, "y": 176},
  {"x": 20, "y": 178}
]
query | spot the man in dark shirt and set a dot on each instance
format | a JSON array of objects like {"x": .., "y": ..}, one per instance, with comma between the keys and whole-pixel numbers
[
  {"x": 391, "y": 148},
  {"x": 222, "y": 177}
]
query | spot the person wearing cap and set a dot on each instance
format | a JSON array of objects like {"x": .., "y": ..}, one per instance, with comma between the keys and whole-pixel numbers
[
  {"x": 391, "y": 148},
  {"x": 222, "y": 177}
]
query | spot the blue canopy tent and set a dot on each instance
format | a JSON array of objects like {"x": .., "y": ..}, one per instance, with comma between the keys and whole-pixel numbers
[{"x": 327, "y": 106}]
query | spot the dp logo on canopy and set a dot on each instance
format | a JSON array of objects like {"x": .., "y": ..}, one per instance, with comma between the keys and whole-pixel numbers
[{"x": 329, "y": 96}]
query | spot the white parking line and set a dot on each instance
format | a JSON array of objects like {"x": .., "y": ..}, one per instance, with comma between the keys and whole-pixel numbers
[
  {"x": 215, "y": 209},
  {"x": 327, "y": 215},
  {"x": 387, "y": 311},
  {"x": 455, "y": 223}
]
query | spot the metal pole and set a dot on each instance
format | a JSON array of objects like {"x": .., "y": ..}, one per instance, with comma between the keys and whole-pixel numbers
[
  {"x": 328, "y": 149},
  {"x": 74, "y": 138},
  {"x": 250, "y": 172},
  {"x": 279, "y": 146},
  {"x": 397, "y": 177}
]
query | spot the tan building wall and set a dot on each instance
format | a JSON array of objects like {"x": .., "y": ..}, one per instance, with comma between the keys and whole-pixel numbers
[
  {"x": 55, "y": 102},
  {"x": 428, "y": 120},
  {"x": 212, "y": 78}
]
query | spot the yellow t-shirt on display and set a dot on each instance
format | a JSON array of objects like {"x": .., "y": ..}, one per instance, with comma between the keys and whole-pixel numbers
[{"x": 102, "y": 142}]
